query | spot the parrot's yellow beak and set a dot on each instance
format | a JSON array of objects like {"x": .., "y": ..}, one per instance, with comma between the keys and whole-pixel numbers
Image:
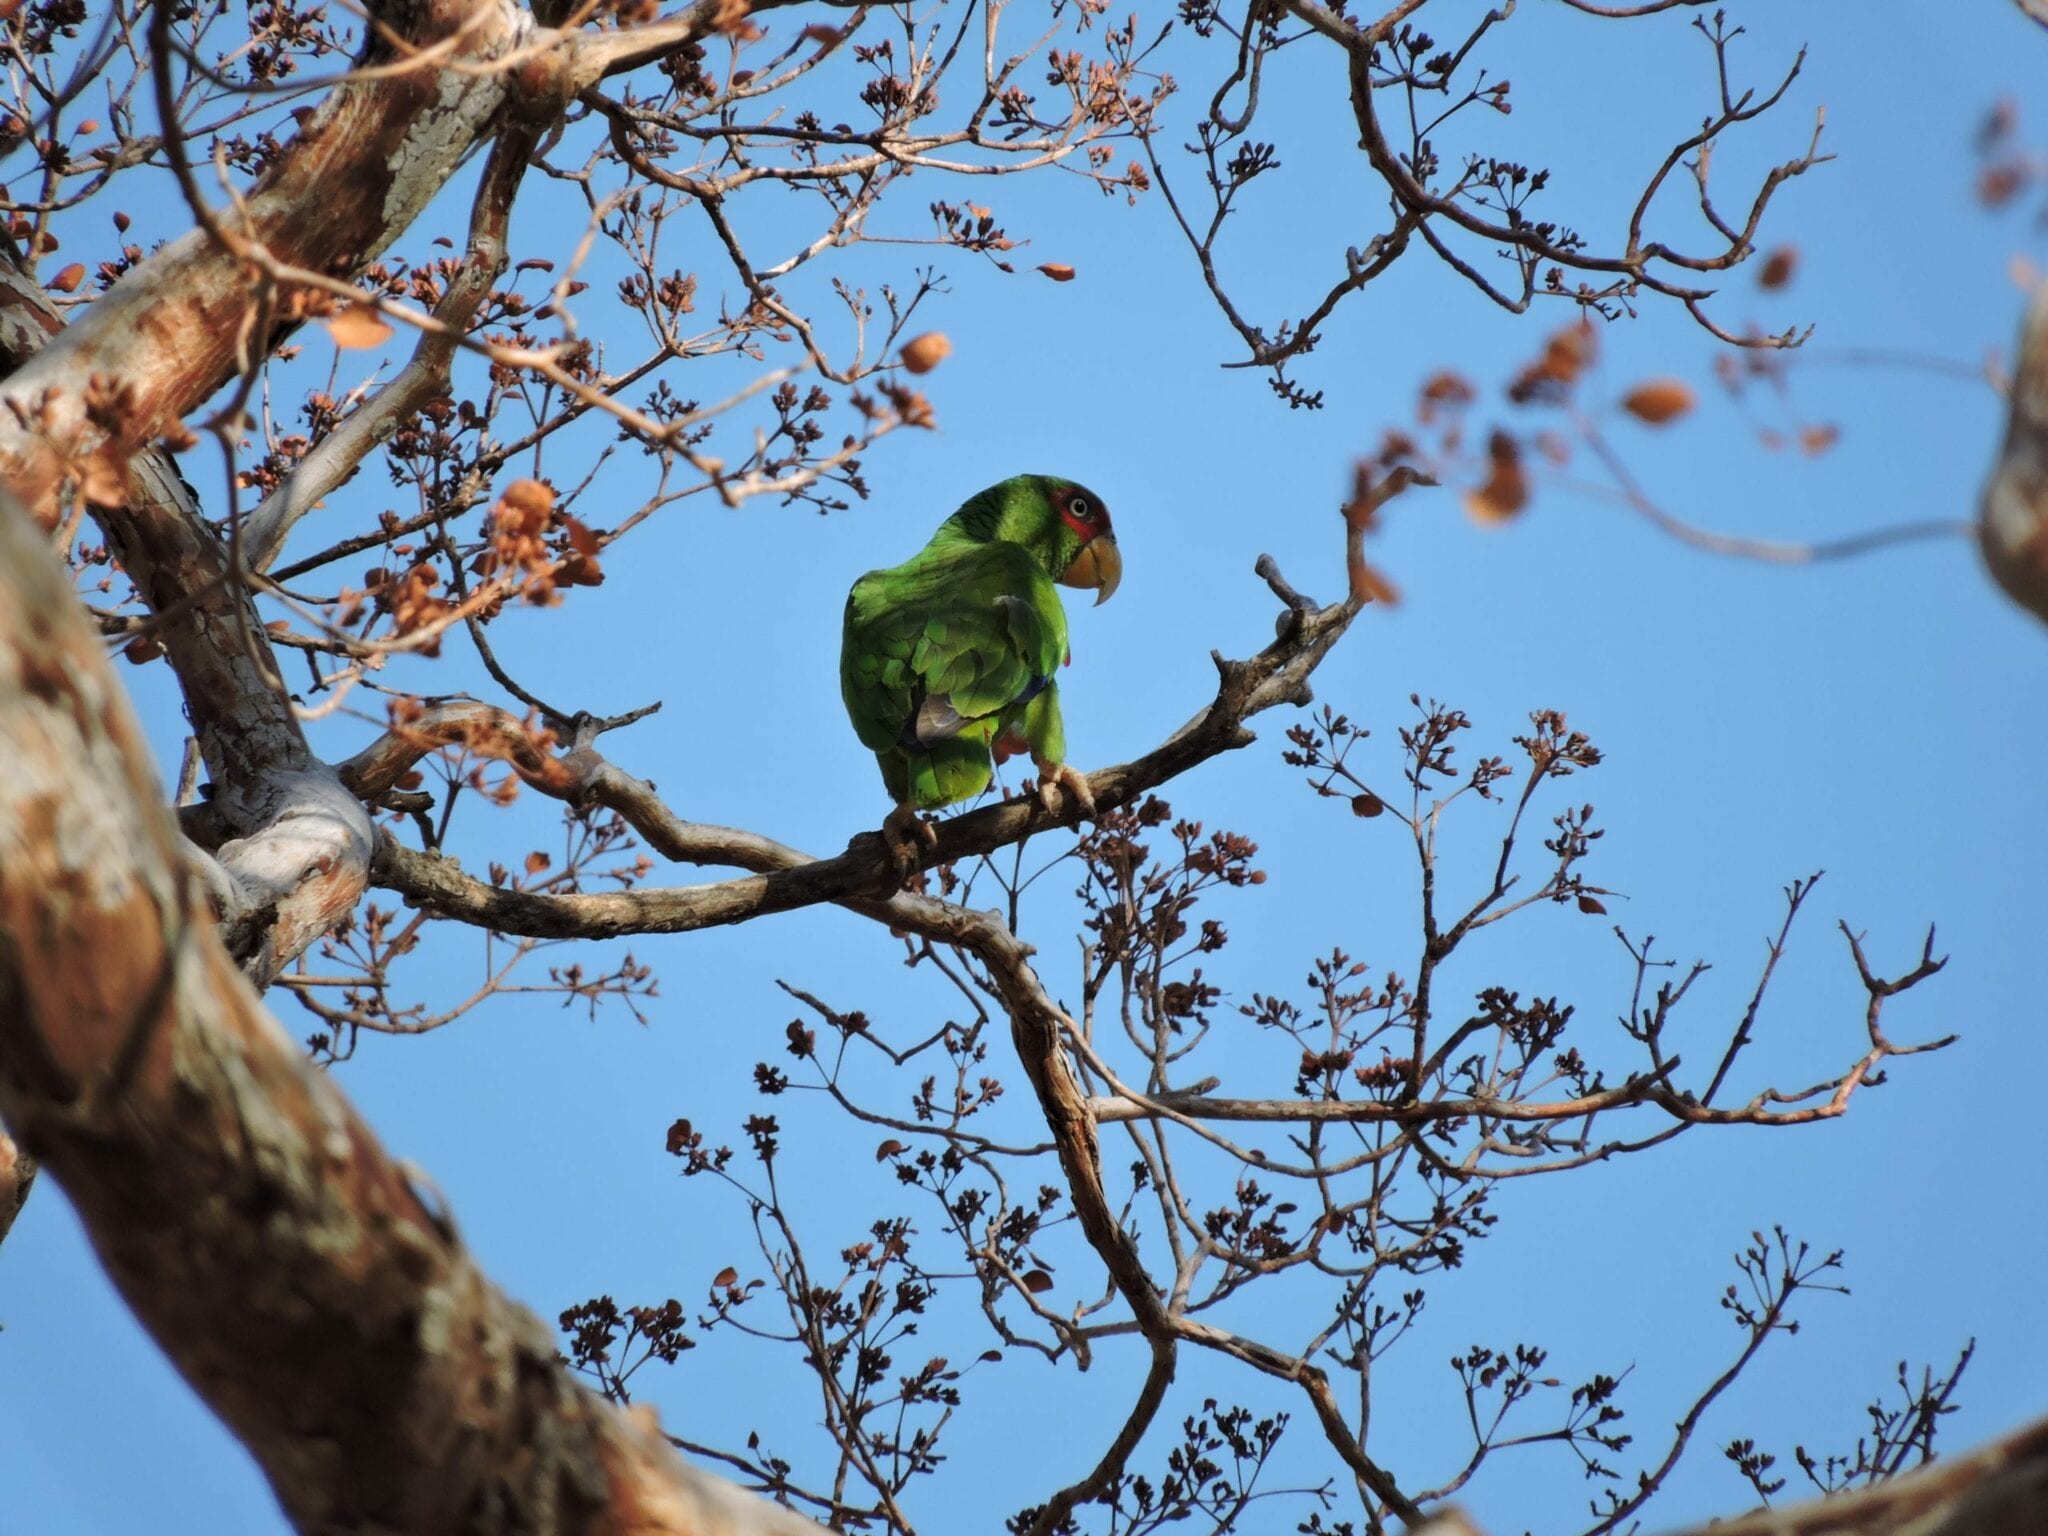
[{"x": 1099, "y": 565}]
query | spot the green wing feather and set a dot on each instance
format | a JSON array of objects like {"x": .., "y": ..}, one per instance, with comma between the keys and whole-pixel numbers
[{"x": 961, "y": 632}]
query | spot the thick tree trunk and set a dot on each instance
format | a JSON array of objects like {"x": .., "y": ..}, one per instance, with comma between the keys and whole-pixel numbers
[
  {"x": 17, "y": 1174},
  {"x": 297, "y": 1276},
  {"x": 2013, "y": 516}
]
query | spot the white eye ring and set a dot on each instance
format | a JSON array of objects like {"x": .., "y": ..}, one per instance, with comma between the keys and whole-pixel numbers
[{"x": 1079, "y": 507}]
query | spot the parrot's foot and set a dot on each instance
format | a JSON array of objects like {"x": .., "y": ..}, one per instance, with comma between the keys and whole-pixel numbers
[
  {"x": 909, "y": 837},
  {"x": 1057, "y": 781}
]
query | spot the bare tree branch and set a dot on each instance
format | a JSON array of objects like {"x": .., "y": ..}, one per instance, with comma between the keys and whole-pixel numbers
[
  {"x": 787, "y": 879},
  {"x": 1997, "y": 1490},
  {"x": 336, "y": 457}
]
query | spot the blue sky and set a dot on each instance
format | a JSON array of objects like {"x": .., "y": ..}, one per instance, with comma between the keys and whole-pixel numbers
[{"x": 1879, "y": 719}]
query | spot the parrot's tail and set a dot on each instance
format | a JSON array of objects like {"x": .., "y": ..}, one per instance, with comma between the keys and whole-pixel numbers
[{"x": 951, "y": 770}]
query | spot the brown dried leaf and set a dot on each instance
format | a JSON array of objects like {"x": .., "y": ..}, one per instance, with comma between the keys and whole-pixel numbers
[
  {"x": 1658, "y": 401},
  {"x": 912, "y": 408},
  {"x": 414, "y": 607},
  {"x": 730, "y": 17},
  {"x": 536, "y": 862},
  {"x": 68, "y": 280},
  {"x": 1998, "y": 124},
  {"x": 921, "y": 354},
  {"x": 888, "y": 1149},
  {"x": 532, "y": 501},
  {"x": 1367, "y": 804},
  {"x": 1567, "y": 353},
  {"x": 1361, "y": 516},
  {"x": 358, "y": 327},
  {"x": 580, "y": 571},
  {"x": 1591, "y": 904},
  {"x": 1058, "y": 271},
  {"x": 1443, "y": 391},
  {"x": 104, "y": 482},
  {"x": 1999, "y": 184},
  {"x": 581, "y": 539},
  {"x": 1038, "y": 1282},
  {"x": 1779, "y": 267},
  {"x": 1368, "y": 585},
  {"x": 725, "y": 1279},
  {"x": 1506, "y": 490},
  {"x": 1818, "y": 439}
]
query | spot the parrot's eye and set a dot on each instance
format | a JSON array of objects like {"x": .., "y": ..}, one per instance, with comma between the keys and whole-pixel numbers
[{"x": 1082, "y": 509}]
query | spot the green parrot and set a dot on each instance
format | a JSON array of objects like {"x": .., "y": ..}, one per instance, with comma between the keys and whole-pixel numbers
[{"x": 949, "y": 659}]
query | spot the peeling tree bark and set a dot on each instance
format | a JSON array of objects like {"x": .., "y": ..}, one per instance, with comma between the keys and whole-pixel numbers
[
  {"x": 2013, "y": 518},
  {"x": 293, "y": 1272},
  {"x": 366, "y": 163},
  {"x": 292, "y": 845},
  {"x": 178, "y": 326},
  {"x": 293, "y": 841},
  {"x": 17, "y": 1174}
]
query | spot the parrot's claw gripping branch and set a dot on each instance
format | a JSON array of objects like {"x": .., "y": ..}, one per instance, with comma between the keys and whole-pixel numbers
[
  {"x": 782, "y": 878},
  {"x": 909, "y": 837},
  {"x": 1061, "y": 785}
]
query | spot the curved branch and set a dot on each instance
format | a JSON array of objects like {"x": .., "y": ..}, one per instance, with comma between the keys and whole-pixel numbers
[{"x": 785, "y": 878}]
